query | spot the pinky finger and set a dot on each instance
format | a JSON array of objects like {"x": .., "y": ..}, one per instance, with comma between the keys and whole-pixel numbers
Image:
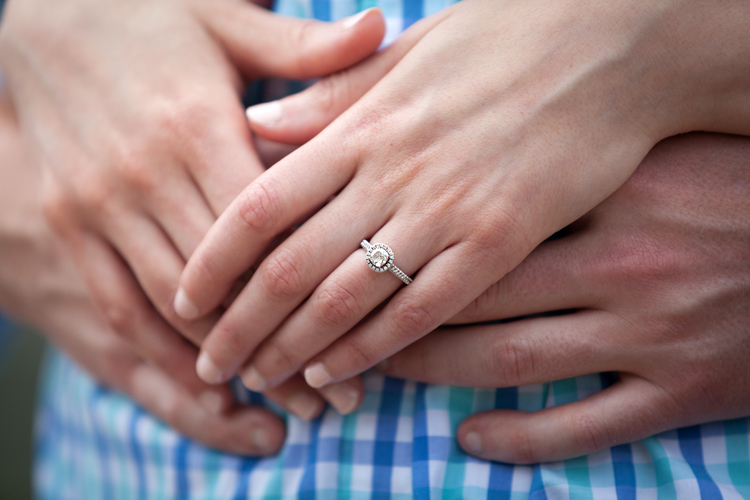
[
  {"x": 245, "y": 431},
  {"x": 630, "y": 410}
]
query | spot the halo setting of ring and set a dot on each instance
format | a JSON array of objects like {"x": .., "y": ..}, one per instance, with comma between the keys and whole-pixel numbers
[{"x": 379, "y": 257}]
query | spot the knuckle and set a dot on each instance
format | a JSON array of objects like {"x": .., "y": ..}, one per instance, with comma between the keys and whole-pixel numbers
[
  {"x": 369, "y": 121},
  {"x": 523, "y": 447},
  {"x": 330, "y": 92},
  {"x": 260, "y": 206},
  {"x": 93, "y": 193},
  {"x": 500, "y": 227},
  {"x": 121, "y": 317},
  {"x": 55, "y": 208},
  {"x": 514, "y": 360},
  {"x": 201, "y": 271},
  {"x": 589, "y": 433},
  {"x": 282, "y": 355},
  {"x": 302, "y": 35},
  {"x": 412, "y": 319},
  {"x": 637, "y": 260},
  {"x": 482, "y": 305},
  {"x": 360, "y": 355},
  {"x": 136, "y": 172},
  {"x": 228, "y": 343},
  {"x": 185, "y": 115},
  {"x": 281, "y": 276},
  {"x": 171, "y": 409},
  {"x": 337, "y": 304}
]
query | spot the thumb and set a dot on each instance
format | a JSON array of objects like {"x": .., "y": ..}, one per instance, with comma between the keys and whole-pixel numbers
[
  {"x": 300, "y": 117},
  {"x": 261, "y": 43},
  {"x": 631, "y": 409}
]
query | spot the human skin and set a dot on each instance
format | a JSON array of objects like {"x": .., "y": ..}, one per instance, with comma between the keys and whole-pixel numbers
[
  {"x": 658, "y": 279},
  {"x": 41, "y": 287},
  {"x": 133, "y": 112},
  {"x": 555, "y": 107}
]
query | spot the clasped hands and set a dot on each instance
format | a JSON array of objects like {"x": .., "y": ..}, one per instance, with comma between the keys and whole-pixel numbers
[{"x": 464, "y": 156}]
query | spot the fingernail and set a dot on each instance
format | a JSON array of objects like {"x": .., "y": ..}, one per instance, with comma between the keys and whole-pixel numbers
[
  {"x": 304, "y": 405},
  {"x": 207, "y": 369},
  {"x": 211, "y": 401},
  {"x": 266, "y": 114},
  {"x": 349, "y": 22},
  {"x": 317, "y": 376},
  {"x": 253, "y": 380},
  {"x": 343, "y": 397},
  {"x": 261, "y": 440},
  {"x": 184, "y": 308},
  {"x": 473, "y": 443}
]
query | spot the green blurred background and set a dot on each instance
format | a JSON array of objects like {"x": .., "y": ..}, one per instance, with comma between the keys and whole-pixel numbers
[{"x": 21, "y": 351}]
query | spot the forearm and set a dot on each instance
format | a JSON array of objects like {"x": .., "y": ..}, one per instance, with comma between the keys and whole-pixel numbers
[{"x": 692, "y": 61}]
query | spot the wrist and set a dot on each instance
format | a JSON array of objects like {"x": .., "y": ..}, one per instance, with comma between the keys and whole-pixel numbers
[{"x": 699, "y": 63}]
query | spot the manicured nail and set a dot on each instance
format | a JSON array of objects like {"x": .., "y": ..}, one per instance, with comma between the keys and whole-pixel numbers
[
  {"x": 473, "y": 443},
  {"x": 261, "y": 440},
  {"x": 317, "y": 376},
  {"x": 253, "y": 380},
  {"x": 207, "y": 369},
  {"x": 351, "y": 21},
  {"x": 184, "y": 308},
  {"x": 266, "y": 114},
  {"x": 211, "y": 401},
  {"x": 343, "y": 397},
  {"x": 304, "y": 405}
]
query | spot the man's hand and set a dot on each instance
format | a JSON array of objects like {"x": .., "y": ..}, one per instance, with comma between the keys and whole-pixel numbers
[{"x": 659, "y": 278}]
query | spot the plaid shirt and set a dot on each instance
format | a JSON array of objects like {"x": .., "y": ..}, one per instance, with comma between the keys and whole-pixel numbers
[{"x": 96, "y": 444}]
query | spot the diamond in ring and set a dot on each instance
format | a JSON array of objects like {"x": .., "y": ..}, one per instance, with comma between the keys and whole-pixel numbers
[{"x": 380, "y": 259}]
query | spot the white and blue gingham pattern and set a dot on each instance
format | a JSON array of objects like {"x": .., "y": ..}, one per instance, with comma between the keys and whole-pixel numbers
[{"x": 96, "y": 444}]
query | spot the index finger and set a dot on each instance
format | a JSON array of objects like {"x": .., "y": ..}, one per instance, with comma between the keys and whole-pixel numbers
[{"x": 272, "y": 203}]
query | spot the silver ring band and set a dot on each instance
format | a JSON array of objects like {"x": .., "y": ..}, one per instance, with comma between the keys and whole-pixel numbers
[{"x": 380, "y": 259}]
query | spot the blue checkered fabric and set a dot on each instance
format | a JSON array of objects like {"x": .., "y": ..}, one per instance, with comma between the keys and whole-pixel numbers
[{"x": 93, "y": 443}]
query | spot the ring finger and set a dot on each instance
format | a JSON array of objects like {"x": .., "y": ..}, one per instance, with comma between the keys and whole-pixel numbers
[
  {"x": 284, "y": 280},
  {"x": 344, "y": 298}
]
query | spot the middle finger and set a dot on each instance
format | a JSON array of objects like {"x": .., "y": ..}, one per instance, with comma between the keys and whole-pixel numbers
[
  {"x": 283, "y": 281},
  {"x": 344, "y": 298}
]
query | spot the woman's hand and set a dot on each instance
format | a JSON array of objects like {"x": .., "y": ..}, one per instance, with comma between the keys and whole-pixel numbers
[
  {"x": 659, "y": 278},
  {"x": 134, "y": 111},
  {"x": 503, "y": 123}
]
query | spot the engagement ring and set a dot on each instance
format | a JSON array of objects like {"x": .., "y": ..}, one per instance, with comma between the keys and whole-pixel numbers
[{"x": 380, "y": 259}]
